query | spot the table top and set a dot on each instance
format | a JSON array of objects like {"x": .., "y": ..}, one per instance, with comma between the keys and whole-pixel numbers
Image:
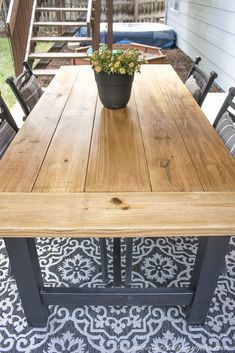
[{"x": 160, "y": 143}]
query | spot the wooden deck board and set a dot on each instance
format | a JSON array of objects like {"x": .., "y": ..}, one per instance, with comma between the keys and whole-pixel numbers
[
  {"x": 60, "y": 55},
  {"x": 61, "y": 39}
]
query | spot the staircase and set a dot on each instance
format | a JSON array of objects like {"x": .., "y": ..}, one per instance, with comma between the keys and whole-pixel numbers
[
  {"x": 65, "y": 30},
  {"x": 26, "y": 18}
]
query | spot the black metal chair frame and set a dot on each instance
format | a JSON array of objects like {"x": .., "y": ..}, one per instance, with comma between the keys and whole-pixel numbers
[
  {"x": 6, "y": 115},
  {"x": 209, "y": 79},
  {"x": 226, "y": 105},
  {"x": 225, "y": 108},
  {"x": 196, "y": 62},
  {"x": 11, "y": 82}
]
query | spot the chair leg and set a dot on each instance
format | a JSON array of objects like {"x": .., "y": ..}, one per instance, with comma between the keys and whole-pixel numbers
[
  {"x": 104, "y": 259},
  {"x": 129, "y": 252}
]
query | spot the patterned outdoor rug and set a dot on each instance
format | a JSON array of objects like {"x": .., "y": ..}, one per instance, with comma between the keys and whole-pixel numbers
[{"x": 163, "y": 261}]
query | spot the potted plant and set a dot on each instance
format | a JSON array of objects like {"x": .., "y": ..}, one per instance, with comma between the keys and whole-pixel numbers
[{"x": 114, "y": 74}]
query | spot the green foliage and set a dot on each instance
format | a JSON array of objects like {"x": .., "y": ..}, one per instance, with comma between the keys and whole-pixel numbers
[
  {"x": 6, "y": 69},
  {"x": 123, "y": 62}
]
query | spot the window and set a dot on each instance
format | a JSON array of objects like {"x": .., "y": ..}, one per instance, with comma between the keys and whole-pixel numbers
[{"x": 174, "y": 4}]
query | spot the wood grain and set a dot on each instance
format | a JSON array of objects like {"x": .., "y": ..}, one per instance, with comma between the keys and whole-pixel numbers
[
  {"x": 117, "y": 159},
  {"x": 117, "y": 214},
  {"x": 112, "y": 157},
  {"x": 64, "y": 167},
  {"x": 169, "y": 163},
  {"x": 22, "y": 161},
  {"x": 212, "y": 161}
]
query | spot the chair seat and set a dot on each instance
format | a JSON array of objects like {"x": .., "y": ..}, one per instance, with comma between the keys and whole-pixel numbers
[{"x": 212, "y": 105}]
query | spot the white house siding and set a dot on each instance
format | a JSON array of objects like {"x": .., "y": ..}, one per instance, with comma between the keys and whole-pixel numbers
[{"x": 207, "y": 28}]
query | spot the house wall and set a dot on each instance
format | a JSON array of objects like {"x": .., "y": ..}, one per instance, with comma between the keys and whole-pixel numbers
[{"x": 206, "y": 28}]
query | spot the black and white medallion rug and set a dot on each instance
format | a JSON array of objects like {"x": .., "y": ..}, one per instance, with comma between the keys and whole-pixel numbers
[{"x": 100, "y": 329}]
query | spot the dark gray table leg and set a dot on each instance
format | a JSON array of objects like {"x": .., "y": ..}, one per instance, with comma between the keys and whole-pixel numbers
[
  {"x": 117, "y": 262},
  {"x": 202, "y": 243},
  {"x": 26, "y": 270},
  {"x": 104, "y": 259},
  {"x": 129, "y": 252},
  {"x": 209, "y": 260},
  {"x": 224, "y": 271}
]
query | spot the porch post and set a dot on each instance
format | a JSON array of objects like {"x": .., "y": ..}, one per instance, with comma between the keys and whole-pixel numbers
[{"x": 110, "y": 23}]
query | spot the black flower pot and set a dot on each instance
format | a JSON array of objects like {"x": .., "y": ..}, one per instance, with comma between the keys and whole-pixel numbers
[{"x": 114, "y": 90}]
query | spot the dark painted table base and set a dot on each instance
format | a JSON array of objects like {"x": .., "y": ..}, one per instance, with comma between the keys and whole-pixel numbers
[{"x": 36, "y": 297}]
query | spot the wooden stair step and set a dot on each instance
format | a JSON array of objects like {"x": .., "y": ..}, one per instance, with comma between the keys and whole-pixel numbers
[
  {"x": 45, "y": 72},
  {"x": 61, "y": 39},
  {"x": 57, "y": 55},
  {"x": 59, "y": 24},
  {"x": 62, "y": 9}
]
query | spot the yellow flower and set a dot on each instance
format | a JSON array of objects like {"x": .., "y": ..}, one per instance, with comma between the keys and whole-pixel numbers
[
  {"x": 94, "y": 63},
  {"x": 131, "y": 64},
  {"x": 117, "y": 64},
  {"x": 112, "y": 69},
  {"x": 98, "y": 69},
  {"x": 122, "y": 71}
]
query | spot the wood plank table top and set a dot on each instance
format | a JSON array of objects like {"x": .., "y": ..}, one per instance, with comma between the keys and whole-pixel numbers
[{"x": 161, "y": 148}]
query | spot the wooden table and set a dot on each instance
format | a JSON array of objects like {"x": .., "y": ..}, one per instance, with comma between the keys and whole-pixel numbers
[{"x": 156, "y": 168}]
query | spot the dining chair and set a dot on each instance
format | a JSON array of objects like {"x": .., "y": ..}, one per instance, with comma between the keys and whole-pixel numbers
[
  {"x": 26, "y": 89},
  {"x": 224, "y": 122},
  {"x": 8, "y": 127},
  {"x": 8, "y": 130},
  {"x": 198, "y": 82}
]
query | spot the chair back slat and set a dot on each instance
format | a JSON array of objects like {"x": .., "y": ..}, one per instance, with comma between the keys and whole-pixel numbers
[
  {"x": 8, "y": 127},
  {"x": 7, "y": 133},
  {"x": 26, "y": 89},
  {"x": 203, "y": 81},
  {"x": 6, "y": 115},
  {"x": 228, "y": 103}
]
